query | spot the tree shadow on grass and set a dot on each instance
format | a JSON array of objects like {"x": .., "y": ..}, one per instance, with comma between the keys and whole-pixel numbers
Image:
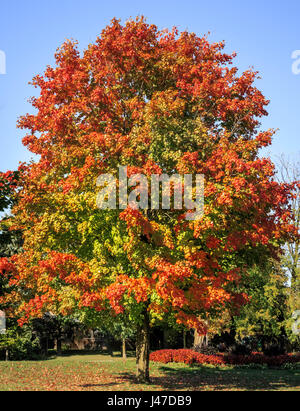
[
  {"x": 115, "y": 354},
  {"x": 222, "y": 379},
  {"x": 52, "y": 355},
  {"x": 71, "y": 353}
]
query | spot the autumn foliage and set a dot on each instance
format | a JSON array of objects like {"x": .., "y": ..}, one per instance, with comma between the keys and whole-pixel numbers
[{"x": 157, "y": 102}]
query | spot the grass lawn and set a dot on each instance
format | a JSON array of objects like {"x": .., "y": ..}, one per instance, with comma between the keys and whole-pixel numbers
[{"x": 99, "y": 372}]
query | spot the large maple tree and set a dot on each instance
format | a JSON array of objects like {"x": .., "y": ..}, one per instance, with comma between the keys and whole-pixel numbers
[{"x": 156, "y": 102}]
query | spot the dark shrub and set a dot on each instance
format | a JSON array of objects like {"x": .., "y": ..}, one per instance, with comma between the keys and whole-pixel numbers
[
  {"x": 240, "y": 349},
  {"x": 21, "y": 347},
  {"x": 274, "y": 346}
]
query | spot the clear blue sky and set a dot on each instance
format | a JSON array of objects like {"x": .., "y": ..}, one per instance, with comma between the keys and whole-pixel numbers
[{"x": 264, "y": 33}]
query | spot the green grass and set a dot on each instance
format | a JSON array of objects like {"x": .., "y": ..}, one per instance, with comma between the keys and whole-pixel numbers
[{"x": 99, "y": 372}]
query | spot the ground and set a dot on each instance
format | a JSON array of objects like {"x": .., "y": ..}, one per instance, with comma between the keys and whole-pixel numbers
[{"x": 98, "y": 372}]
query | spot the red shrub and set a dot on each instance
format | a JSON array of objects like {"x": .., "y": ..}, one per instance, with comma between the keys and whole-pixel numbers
[
  {"x": 163, "y": 356},
  {"x": 187, "y": 356}
]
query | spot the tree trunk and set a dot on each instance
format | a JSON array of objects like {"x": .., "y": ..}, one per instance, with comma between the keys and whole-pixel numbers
[
  {"x": 58, "y": 346},
  {"x": 6, "y": 355},
  {"x": 110, "y": 346},
  {"x": 124, "y": 348},
  {"x": 44, "y": 345},
  {"x": 184, "y": 339},
  {"x": 198, "y": 340},
  {"x": 206, "y": 340},
  {"x": 143, "y": 350}
]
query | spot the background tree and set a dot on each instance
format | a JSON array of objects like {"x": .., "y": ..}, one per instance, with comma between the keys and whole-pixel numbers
[
  {"x": 289, "y": 172},
  {"x": 156, "y": 102},
  {"x": 53, "y": 328},
  {"x": 114, "y": 327},
  {"x": 264, "y": 318}
]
